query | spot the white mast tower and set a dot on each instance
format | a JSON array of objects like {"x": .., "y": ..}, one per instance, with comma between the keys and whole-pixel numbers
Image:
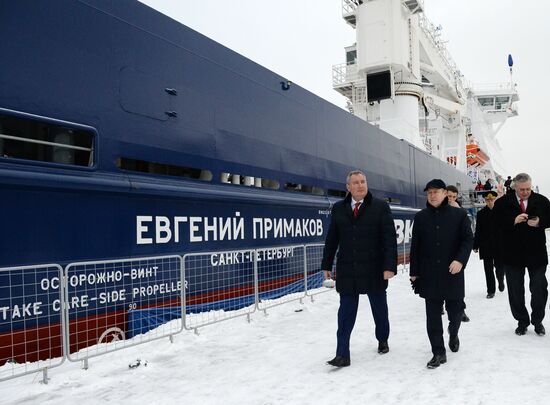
[{"x": 400, "y": 76}]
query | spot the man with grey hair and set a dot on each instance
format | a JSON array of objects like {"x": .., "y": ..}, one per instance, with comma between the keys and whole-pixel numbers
[
  {"x": 362, "y": 231},
  {"x": 522, "y": 217}
]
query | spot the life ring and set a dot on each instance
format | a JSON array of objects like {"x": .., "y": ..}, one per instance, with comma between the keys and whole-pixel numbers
[{"x": 113, "y": 334}]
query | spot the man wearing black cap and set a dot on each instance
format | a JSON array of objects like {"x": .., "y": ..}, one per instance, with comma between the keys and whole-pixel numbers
[
  {"x": 441, "y": 244},
  {"x": 485, "y": 241}
]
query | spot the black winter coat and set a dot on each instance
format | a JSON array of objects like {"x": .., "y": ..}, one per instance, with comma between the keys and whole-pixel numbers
[
  {"x": 487, "y": 236},
  {"x": 367, "y": 246},
  {"x": 440, "y": 235},
  {"x": 522, "y": 245}
]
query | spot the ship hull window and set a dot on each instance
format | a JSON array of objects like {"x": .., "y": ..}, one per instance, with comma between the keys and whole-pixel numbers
[
  {"x": 249, "y": 181},
  {"x": 162, "y": 169},
  {"x": 26, "y": 138},
  {"x": 303, "y": 188}
]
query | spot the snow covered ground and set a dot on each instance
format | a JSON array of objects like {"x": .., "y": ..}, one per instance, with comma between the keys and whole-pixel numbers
[{"x": 280, "y": 359}]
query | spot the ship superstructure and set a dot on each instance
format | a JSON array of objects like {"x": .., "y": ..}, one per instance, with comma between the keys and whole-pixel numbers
[{"x": 400, "y": 77}]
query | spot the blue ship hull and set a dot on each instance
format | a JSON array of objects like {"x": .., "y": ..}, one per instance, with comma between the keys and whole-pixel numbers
[{"x": 138, "y": 87}]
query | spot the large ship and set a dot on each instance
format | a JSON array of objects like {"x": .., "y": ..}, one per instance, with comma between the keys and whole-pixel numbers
[{"x": 126, "y": 135}]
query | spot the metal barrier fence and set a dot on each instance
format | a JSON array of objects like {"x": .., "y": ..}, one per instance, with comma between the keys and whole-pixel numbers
[
  {"x": 97, "y": 307},
  {"x": 31, "y": 320},
  {"x": 116, "y": 304},
  {"x": 222, "y": 286},
  {"x": 281, "y": 275},
  {"x": 228, "y": 284}
]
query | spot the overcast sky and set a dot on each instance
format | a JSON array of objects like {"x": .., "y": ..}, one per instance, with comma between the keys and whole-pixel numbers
[{"x": 302, "y": 39}]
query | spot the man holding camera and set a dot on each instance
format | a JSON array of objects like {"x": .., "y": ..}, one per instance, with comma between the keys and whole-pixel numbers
[{"x": 522, "y": 217}]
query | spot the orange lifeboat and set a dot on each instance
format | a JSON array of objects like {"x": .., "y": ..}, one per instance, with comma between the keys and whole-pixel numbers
[{"x": 475, "y": 156}]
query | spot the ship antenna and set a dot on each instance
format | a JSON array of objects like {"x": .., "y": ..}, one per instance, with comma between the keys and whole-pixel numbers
[{"x": 511, "y": 64}]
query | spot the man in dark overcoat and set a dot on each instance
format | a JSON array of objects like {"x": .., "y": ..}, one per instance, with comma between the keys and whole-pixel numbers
[
  {"x": 362, "y": 231},
  {"x": 486, "y": 243},
  {"x": 522, "y": 218},
  {"x": 441, "y": 244},
  {"x": 452, "y": 199},
  {"x": 508, "y": 184}
]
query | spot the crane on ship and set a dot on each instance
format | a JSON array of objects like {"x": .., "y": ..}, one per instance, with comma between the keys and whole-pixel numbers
[{"x": 399, "y": 76}]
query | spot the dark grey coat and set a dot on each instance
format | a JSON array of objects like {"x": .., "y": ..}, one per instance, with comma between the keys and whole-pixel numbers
[
  {"x": 440, "y": 235},
  {"x": 367, "y": 246}
]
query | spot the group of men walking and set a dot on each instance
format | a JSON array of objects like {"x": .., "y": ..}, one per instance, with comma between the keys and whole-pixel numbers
[{"x": 510, "y": 236}]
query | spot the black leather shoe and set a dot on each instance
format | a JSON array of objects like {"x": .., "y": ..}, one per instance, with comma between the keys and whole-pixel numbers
[
  {"x": 454, "y": 344},
  {"x": 501, "y": 287},
  {"x": 489, "y": 296},
  {"x": 521, "y": 330},
  {"x": 437, "y": 360},
  {"x": 465, "y": 317},
  {"x": 539, "y": 329},
  {"x": 340, "y": 361},
  {"x": 383, "y": 347}
]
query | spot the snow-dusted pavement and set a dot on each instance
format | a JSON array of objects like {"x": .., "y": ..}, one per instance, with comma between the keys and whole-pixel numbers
[{"x": 280, "y": 359}]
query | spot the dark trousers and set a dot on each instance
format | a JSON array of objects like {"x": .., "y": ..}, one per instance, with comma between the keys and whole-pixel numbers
[
  {"x": 347, "y": 314},
  {"x": 434, "y": 323},
  {"x": 538, "y": 285},
  {"x": 488, "y": 265}
]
